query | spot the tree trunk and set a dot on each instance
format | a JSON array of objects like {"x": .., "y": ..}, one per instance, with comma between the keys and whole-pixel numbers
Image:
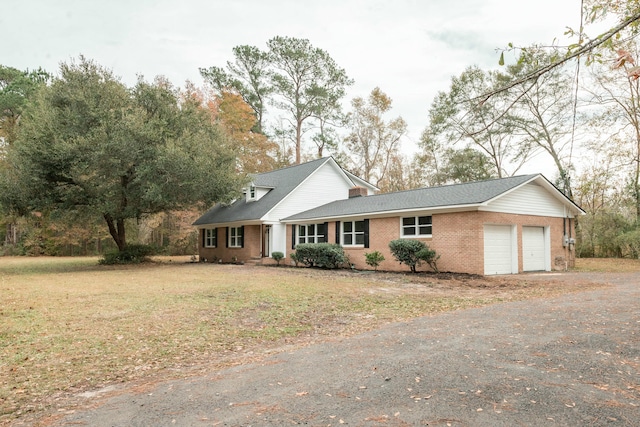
[
  {"x": 117, "y": 232},
  {"x": 298, "y": 141}
]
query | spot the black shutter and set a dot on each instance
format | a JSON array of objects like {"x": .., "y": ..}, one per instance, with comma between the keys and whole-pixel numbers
[
  {"x": 366, "y": 233},
  {"x": 242, "y": 236},
  {"x": 293, "y": 236},
  {"x": 326, "y": 232},
  {"x": 203, "y": 238},
  {"x": 338, "y": 232},
  {"x": 216, "y": 234},
  {"x": 226, "y": 241}
]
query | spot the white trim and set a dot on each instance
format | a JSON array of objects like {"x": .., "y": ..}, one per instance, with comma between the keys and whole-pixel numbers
[
  {"x": 353, "y": 234},
  {"x": 417, "y": 226},
  {"x": 306, "y": 236},
  {"x": 235, "y": 223},
  {"x": 238, "y": 235},
  {"x": 397, "y": 212},
  {"x": 208, "y": 239}
]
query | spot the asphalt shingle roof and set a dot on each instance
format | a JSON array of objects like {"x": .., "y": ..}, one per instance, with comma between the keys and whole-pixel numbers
[
  {"x": 449, "y": 195},
  {"x": 282, "y": 182}
]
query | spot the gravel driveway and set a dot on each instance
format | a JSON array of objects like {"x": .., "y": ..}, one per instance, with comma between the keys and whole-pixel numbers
[{"x": 567, "y": 361}]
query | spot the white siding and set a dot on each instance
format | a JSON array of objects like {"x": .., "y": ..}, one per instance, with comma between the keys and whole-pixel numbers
[
  {"x": 325, "y": 185},
  {"x": 260, "y": 191},
  {"x": 530, "y": 199}
]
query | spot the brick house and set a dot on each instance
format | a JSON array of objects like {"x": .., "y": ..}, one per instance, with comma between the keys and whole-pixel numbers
[{"x": 500, "y": 226}]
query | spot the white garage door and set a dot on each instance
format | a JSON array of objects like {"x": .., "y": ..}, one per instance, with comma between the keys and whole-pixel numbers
[
  {"x": 498, "y": 249},
  {"x": 533, "y": 249}
]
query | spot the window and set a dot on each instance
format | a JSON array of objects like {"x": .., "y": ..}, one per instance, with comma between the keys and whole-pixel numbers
[
  {"x": 252, "y": 192},
  {"x": 353, "y": 233},
  {"x": 312, "y": 233},
  {"x": 210, "y": 238},
  {"x": 416, "y": 226},
  {"x": 235, "y": 237}
]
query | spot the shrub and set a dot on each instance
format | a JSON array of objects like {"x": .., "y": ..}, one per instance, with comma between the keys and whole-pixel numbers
[
  {"x": 374, "y": 259},
  {"x": 323, "y": 255},
  {"x": 628, "y": 244},
  {"x": 295, "y": 259},
  {"x": 278, "y": 256},
  {"x": 429, "y": 256},
  {"x": 132, "y": 254},
  {"x": 413, "y": 253}
]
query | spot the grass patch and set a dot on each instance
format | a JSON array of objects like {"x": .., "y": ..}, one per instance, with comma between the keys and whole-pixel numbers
[
  {"x": 68, "y": 325},
  {"x": 609, "y": 265}
]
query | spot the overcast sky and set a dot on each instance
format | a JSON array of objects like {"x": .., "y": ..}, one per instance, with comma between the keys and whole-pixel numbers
[{"x": 408, "y": 48}]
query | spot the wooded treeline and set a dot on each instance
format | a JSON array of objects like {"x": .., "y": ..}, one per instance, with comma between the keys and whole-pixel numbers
[{"x": 80, "y": 150}]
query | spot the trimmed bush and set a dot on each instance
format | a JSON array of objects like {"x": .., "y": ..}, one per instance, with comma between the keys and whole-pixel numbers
[
  {"x": 132, "y": 254},
  {"x": 412, "y": 253},
  {"x": 429, "y": 256},
  {"x": 323, "y": 255},
  {"x": 374, "y": 259},
  {"x": 278, "y": 256}
]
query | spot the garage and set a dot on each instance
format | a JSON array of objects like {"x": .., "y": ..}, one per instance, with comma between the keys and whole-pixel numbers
[
  {"x": 499, "y": 250},
  {"x": 534, "y": 249}
]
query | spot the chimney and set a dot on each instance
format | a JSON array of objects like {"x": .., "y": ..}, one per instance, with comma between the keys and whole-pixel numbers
[{"x": 357, "y": 192}]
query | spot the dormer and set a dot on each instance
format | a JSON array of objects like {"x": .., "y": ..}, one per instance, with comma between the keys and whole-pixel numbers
[{"x": 253, "y": 192}]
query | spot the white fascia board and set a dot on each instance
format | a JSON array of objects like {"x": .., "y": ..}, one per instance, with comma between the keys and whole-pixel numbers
[
  {"x": 355, "y": 180},
  {"x": 384, "y": 214},
  {"x": 230, "y": 224}
]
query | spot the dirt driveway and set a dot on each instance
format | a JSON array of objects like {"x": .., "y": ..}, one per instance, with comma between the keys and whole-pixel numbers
[{"x": 567, "y": 361}]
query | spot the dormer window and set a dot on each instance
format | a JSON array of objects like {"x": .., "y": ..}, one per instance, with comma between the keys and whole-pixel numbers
[{"x": 251, "y": 194}]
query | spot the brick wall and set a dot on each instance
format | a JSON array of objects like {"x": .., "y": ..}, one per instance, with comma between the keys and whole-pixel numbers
[
  {"x": 252, "y": 247},
  {"x": 458, "y": 238}
]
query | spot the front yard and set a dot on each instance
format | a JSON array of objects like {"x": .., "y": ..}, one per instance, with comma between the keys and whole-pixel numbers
[{"x": 68, "y": 325}]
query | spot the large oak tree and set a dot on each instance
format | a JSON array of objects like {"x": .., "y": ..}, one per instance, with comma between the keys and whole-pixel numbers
[{"x": 90, "y": 144}]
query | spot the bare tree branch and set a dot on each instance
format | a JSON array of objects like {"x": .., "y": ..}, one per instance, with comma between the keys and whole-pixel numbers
[{"x": 584, "y": 49}]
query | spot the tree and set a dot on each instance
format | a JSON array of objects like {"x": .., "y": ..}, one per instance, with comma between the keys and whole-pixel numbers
[
  {"x": 402, "y": 174},
  {"x": 545, "y": 112},
  {"x": 372, "y": 141},
  {"x": 247, "y": 76},
  {"x": 466, "y": 165},
  {"x": 616, "y": 100},
  {"x": 456, "y": 117},
  {"x": 601, "y": 194},
  {"x": 89, "y": 144},
  {"x": 255, "y": 152},
  {"x": 306, "y": 82},
  {"x": 16, "y": 87}
]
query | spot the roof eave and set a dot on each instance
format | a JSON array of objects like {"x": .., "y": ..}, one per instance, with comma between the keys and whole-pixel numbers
[
  {"x": 229, "y": 224},
  {"x": 388, "y": 213}
]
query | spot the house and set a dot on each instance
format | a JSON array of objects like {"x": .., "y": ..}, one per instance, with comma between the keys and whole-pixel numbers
[{"x": 499, "y": 226}]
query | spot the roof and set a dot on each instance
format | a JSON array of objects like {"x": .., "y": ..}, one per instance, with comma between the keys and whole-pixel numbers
[
  {"x": 281, "y": 181},
  {"x": 456, "y": 195}
]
